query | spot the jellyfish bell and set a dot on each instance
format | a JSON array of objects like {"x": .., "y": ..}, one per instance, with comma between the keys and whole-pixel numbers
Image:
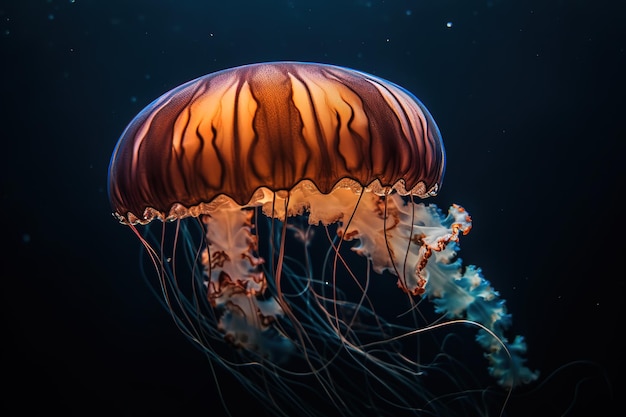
[
  {"x": 272, "y": 126},
  {"x": 246, "y": 163}
]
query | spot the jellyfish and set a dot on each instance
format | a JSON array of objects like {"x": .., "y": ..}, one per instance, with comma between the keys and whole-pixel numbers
[{"x": 281, "y": 205}]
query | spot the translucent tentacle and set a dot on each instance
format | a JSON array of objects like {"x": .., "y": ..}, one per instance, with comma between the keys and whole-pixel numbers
[
  {"x": 419, "y": 245},
  {"x": 236, "y": 284}
]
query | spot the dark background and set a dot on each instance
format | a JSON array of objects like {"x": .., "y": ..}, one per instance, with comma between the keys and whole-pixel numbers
[{"x": 530, "y": 99}]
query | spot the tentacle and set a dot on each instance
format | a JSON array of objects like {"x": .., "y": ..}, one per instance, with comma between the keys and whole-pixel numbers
[{"x": 237, "y": 286}]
